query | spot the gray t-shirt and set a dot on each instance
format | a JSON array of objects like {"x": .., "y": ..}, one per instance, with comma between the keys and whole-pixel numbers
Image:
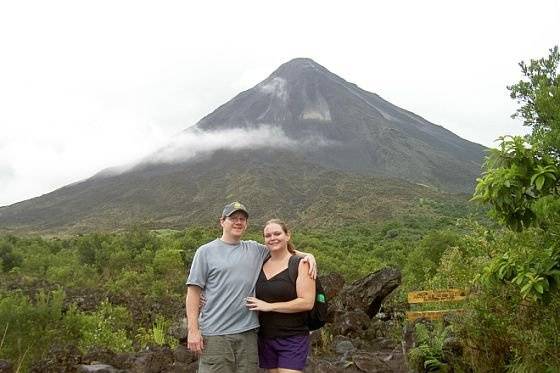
[{"x": 227, "y": 274}]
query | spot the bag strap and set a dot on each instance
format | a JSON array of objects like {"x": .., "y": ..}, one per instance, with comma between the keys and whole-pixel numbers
[{"x": 293, "y": 265}]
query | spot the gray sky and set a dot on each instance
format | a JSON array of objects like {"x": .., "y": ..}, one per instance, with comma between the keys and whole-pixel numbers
[{"x": 89, "y": 85}]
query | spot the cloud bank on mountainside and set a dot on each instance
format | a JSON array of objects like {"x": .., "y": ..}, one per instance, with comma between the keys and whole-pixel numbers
[{"x": 193, "y": 142}]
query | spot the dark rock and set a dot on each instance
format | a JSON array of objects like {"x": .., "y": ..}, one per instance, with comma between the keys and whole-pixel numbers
[
  {"x": 59, "y": 359},
  {"x": 383, "y": 344},
  {"x": 84, "y": 299},
  {"x": 5, "y": 366},
  {"x": 396, "y": 361},
  {"x": 367, "y": 293},
  {"x": 332, "y": 284},
  {"x": 153, "y": 361},
  {"x": 120, "y": 361},
  {"x": 408, "y": 338},
  {"x": 321, "y": 366},
  {"x": 344, "y": 347},
  {"x": 376, "y": 329},
  {"x": 183, "y": 355},
  {"x": 179, "y": 329},
  {"x": 383, "y": 316},
  {"x": 370, "y": 363},
  {"x": 351, "y": 322},
  {"x": 96, "y": 368},
  {"x": 179, "y": 367}
]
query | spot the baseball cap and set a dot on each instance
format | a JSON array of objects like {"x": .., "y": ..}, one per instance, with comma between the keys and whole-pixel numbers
[{"x": 230, "y": 208}]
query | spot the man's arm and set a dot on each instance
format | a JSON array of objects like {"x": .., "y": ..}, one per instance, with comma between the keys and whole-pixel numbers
[
  {"x": 195, "y": 342},
  {"x": 310, "y": 259},
  {"x": 307, "y": 258}
]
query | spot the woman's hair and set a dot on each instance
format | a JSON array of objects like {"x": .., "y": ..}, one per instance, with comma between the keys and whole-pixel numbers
[{"x": 284, "y": 227}]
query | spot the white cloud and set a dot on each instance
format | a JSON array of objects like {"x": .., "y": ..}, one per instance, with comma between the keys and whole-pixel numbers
[{"x": 191, "y": 143}]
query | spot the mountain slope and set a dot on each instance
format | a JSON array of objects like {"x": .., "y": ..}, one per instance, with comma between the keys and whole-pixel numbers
[
  {"x": 274, "y": 183},
  {"x": 336, "y": 154}
]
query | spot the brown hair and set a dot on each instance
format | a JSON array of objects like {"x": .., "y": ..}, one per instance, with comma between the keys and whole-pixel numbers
[{"x": 284, "y": 227}]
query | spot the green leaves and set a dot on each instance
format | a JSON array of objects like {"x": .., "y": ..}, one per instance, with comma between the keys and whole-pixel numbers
[
  {"x": 543, "y": 174},
  {"x": 157, "y": 335},
  {"x": 523, "y": 170},
  {"x": 516, "y": 176},
  {"x": 428, "y": 352},
  {"x": 534, "y": 271},
  {"x": 521, "y": 181},
  {"x": 539, "y": 98}
]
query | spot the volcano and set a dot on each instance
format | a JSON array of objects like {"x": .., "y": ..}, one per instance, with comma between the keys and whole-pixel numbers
[{"x": 308, "y": 146}]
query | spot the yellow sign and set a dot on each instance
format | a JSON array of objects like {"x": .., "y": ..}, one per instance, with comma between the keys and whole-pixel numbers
[
  {"x": 429, "y": 315},
  {"x": 447, "y": 295}
]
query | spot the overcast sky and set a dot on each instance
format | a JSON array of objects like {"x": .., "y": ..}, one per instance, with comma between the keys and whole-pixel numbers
[{"x": 89, "y": 85}]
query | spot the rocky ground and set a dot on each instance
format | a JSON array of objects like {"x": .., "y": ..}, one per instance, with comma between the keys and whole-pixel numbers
[{"x": 357, "y": 338}]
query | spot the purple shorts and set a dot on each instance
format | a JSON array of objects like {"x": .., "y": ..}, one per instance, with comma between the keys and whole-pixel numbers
[{"x": 284, "y": 352}]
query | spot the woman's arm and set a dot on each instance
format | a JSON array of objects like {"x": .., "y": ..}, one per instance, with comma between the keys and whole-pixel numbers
[{"x": 305, "y": 289}]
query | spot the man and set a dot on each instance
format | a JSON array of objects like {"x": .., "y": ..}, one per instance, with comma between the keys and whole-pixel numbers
[{"x": 224, "y": 332}]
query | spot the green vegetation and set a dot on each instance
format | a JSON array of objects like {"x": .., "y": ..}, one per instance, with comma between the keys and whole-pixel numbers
[
  {"x": 92, "y": 291},
  {"x": 512, "y": 319},
  {"x": 427, "y": 355},
  {"x": 125, "y": 290}
]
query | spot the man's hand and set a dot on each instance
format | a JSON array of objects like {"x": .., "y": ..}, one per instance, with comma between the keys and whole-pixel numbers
[
  {"x": 195, "y": 343},
  {"x": 310, "y": 259}
]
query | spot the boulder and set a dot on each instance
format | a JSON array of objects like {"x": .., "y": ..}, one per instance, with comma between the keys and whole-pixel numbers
[
  {"x": 153, "y": 361},
  {"x": 179, "y": 367},
  {"x": 178, "y": 329},
  {"x": 6, "y": 366},
  {"x": 332, "y": 284},
  {"x": 106, "y": 356},
  {"x": 321, "y": 366},
  {"x": 351, "y": 322},
  {"x": 96, "y": 368},
  {"x": 182, "y": 354},
  {"x": 370, "y": 363},
  {"x": 368, "y": 293},
  {"x": 59, "y": 359},
  {"x": 343, "y": 346}
]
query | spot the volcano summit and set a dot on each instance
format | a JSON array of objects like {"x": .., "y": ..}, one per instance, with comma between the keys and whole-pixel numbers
[{"x": 365, "y": 133}]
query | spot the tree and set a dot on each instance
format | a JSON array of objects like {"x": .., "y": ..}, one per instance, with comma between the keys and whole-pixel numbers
[
  {"x": 539, "y": 97},
  {"x": 8, "y": 259},
  {"x": 522, "y": 183},
  {"x": 518, "y": 288},
  {"x": 516, "y": 179},
  {"x": 521, "y": 178}
]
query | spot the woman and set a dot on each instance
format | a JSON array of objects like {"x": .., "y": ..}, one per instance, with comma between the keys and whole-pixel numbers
[{"x": 283, "y": 335}]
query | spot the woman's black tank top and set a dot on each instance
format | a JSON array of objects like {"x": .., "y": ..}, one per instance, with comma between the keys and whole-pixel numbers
[{"x": 279, "y": 288}]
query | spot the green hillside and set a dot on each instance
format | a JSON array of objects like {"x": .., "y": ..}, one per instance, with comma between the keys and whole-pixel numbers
[
  {"x": 114, "y": 290},
  {"x": 271, "y": 183}
]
